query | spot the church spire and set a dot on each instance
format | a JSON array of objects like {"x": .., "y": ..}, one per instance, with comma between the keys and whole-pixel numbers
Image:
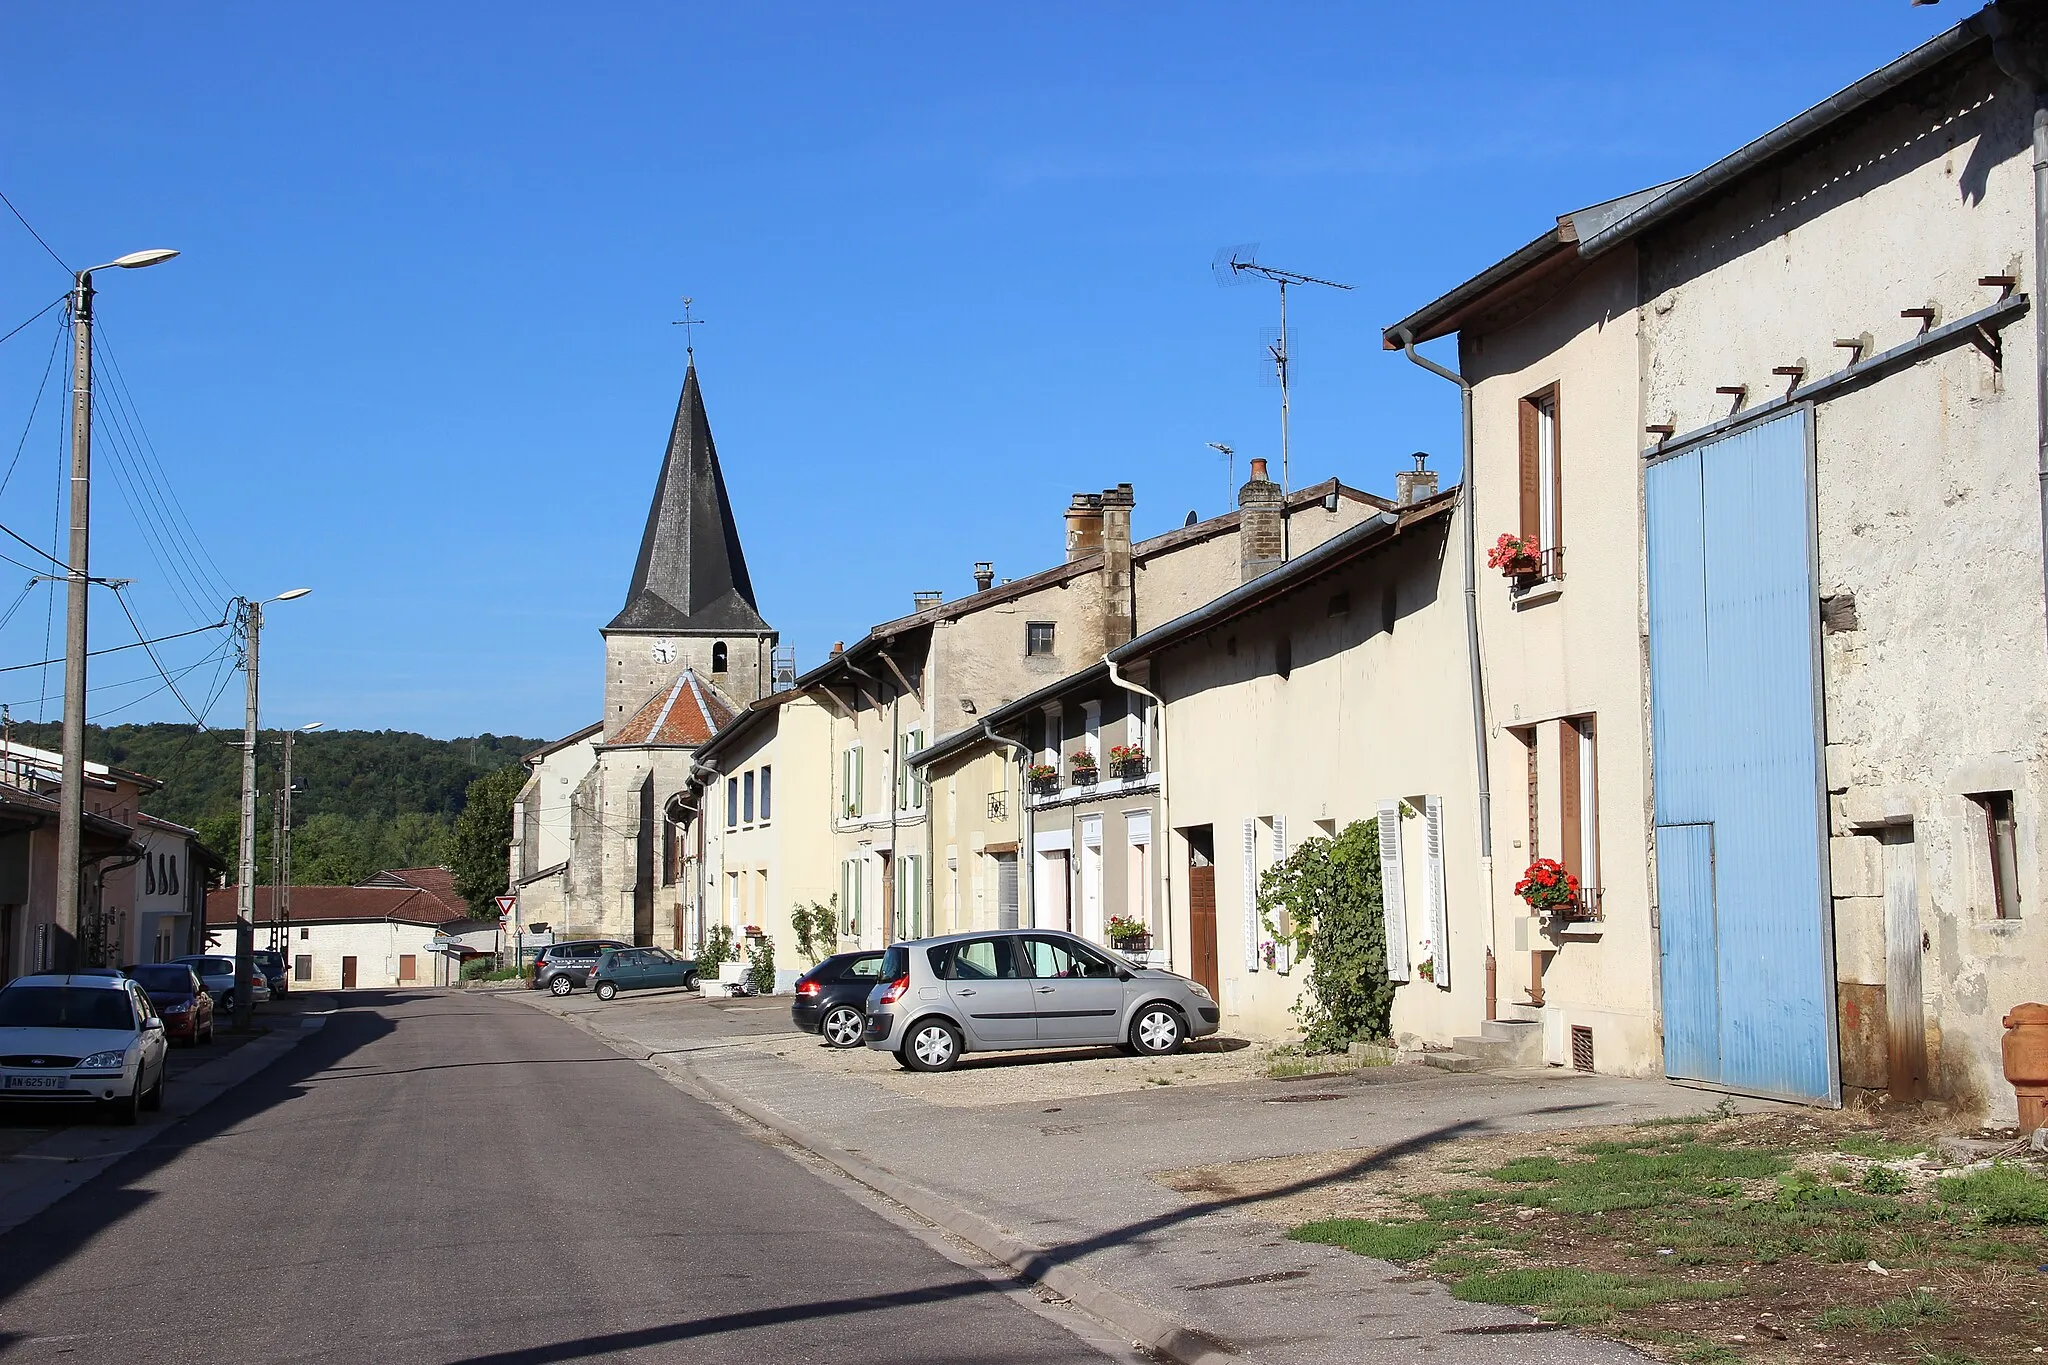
[{"x": 691, "y": 574}]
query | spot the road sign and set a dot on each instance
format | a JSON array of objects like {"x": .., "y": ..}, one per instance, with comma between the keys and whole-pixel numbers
[{"x": 506, "y": 904}]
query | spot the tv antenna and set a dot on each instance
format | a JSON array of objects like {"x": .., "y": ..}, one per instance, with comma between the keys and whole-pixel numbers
[
  {"x": 1231, "y": 265},
  {"x": 1229, "y": 454},
  {"x": 689, "y": 326}
]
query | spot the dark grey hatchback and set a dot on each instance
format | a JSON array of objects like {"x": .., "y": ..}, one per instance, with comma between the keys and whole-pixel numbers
[{"x": 830, "y": 997}]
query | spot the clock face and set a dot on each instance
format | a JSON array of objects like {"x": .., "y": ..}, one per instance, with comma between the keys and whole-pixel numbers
[{"x": 664, "y": 651}]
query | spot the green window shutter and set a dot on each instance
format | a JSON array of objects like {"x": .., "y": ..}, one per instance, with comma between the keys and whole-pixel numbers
[{"x": 860, "y": 781}]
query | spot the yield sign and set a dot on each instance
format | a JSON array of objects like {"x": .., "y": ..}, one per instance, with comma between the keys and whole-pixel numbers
[{"x": 505, "y": 904}]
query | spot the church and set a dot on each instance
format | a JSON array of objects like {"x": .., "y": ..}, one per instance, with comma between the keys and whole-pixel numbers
[{"x": 592, "y": 853}]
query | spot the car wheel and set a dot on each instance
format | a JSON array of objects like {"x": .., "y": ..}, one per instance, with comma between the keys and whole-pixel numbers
[
  {"x": 605, "y": 990},
  {"x": 934, "y": 1045},
  {"x": 122, "y": 1111},
  {"x": 690, "y": 982},
  {"x": 154, "y": 1099},
  {"x": 560, "y": 985},
  {"x": 1158, "y": 1031},
  {"x": 843, "y": 1026},
  {"x": 227, "y": 1002}
]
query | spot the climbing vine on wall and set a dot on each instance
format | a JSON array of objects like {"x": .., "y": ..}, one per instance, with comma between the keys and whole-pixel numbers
[{"x": 1324, "y": 902}]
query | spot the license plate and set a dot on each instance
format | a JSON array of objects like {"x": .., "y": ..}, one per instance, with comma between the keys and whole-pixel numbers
[{"x": 36, "y": 1082}]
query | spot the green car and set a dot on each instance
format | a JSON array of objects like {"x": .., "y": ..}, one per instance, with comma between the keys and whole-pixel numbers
[{"x": 639, "y": 969}]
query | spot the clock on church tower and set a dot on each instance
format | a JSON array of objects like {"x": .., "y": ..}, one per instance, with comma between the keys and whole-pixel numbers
[{"x": 664, "y": 651}]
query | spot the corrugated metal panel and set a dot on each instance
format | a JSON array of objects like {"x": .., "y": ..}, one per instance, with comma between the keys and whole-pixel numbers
[{"x": 1735, "y": 747}]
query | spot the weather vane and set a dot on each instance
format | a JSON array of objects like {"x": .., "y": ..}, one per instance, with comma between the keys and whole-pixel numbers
[{"x": 688, "y": 324}]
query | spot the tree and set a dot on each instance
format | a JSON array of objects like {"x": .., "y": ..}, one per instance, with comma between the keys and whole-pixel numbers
[
  {"x": 482, "y": 833},
  {"x": 1326, "y": 902}
]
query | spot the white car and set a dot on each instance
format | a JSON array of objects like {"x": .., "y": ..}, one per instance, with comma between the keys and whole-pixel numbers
[{"x": 82, "y": 1039}]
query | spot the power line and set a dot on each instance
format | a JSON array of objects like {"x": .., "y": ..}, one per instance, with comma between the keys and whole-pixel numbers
[
  {"x": 26, "y": 427},
  {"x": 37, "y": 235},
  {"x": 38, "y": 313},
  {"x": 116, "y": 649},
  {"x": 143, "y": 640},
  {"x": 147, "y": 677},
  {"x": 38, "y": 549}
]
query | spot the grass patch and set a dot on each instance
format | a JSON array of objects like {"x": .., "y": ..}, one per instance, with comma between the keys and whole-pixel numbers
[
  {"x": 1908, "y": 1310},
  {"x": 1705, "y": 1353},
  {"x": 1568, "y": 1295},
  {"x": 1382, "y": 1241},
  {"x": 1936, "y": 1355},
  {"x": 2001, "y": 1193},
  {"x": 1884, "y": 1180}
]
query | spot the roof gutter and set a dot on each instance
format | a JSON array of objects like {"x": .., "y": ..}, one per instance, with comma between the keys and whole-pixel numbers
[{"x": 1781, "y": 139}]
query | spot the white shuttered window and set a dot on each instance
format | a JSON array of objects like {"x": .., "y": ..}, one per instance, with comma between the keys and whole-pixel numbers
[
  {"x": 1251, "y": 895},
  {"x": 1439, "y": 919},
  {"x": 1393, "y": 894}
]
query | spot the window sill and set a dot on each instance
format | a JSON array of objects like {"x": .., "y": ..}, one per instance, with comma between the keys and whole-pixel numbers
[
  {"x": 1549, "y": 590},
  {"x": 1588, "y": 929}
]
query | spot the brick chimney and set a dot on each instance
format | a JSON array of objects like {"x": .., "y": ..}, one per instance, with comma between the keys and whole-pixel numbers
[
  {"x": 838, "y": 648},
  {"x": 984, "y": 576},
  {"x": 1415, "y": 485},
  {"x": 1119, "y": 605},
  {"x": 1084, "y": 526},
  {"x": 1259, "y": 505},
  {"x": 924, "y": 599}
]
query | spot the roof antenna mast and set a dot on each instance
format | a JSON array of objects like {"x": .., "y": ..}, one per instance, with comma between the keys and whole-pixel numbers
[
  {"x": 689, "y": 326},
  {"x": 1231, "y": 265}
]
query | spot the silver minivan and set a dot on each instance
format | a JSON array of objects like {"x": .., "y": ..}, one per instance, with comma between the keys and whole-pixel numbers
[{"x": 1026, "y": 988}]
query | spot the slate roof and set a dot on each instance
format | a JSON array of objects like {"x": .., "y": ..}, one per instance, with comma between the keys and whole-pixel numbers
[
  {"x": 691, "y": 574},
  {"x": 687, "y": 714},
  {"x": 341, "y": 905}
]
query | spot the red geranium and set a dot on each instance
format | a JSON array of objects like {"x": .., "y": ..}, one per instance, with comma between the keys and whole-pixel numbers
[
  {"x": 1515, "y": 555},
  {"x": 1546, "y": 885}
]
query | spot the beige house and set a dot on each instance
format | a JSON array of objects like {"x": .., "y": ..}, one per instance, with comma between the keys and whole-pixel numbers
[
  {"x": 1326, "y": 691},
  {"x": 1777, "y": 679}
]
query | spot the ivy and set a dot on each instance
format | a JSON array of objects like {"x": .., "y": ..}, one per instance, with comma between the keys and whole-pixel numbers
[{"x": 1328, "y": 891}]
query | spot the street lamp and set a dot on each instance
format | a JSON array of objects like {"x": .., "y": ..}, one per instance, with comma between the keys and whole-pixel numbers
[
  {"x": 281, "y": 892},
  {"x": 63, "y": 947},
  {"x": 245, "y": 893}
]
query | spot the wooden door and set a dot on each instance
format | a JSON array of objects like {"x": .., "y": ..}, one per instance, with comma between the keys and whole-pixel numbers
[
  {"x": 1202, "y": 927},
  {"x": 348, "y": 964},
  {"x": 408, "y": 967}
]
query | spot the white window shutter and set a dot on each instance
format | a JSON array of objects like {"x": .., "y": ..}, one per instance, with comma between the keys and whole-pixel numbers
[
  {"x": 1393, "y": 892},
  {"x": 1439, "y": 921},
  {"x": 1283, "y": 952},
  {"x": 1251, "y": 895}
]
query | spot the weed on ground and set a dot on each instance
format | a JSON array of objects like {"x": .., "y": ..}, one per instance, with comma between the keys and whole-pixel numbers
[{"x": 1765, "y": 1237}]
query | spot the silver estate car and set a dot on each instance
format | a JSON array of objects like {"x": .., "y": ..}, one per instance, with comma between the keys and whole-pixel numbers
[{"x": 1026, "y": 988}]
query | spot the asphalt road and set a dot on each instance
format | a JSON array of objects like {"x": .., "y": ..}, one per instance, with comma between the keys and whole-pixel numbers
[{"x": 440, "y": 1177}]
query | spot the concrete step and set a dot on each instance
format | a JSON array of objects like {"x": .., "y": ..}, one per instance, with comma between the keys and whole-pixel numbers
[
  {"x": 1452, "y": 1061},
  {"x": 1527, "y": 1013},
  {"x": 1492, "y": 1051},
  {"x": 1523, "y": 1038}
]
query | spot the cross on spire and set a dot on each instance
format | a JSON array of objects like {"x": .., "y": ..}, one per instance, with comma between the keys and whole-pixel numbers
[{"x": 689, "y": 326}]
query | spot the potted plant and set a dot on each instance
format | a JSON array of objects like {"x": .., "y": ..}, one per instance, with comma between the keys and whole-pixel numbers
[
  {"x": 1549, "y": 889},
  {"x": 1518, "y": 557},
  {"x": 1128, "y": 934},
  {"x": 1127, "y": 760},
  {"x": 1084, "y": 766},
  {"x": 1043, "y": 777}
]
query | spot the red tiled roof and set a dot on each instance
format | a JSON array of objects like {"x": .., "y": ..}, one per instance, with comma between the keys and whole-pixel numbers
[
  {"x": 341, "y": 904},
  {"x": 437, "y": 882},
  {"x": 688, "y": 714}
]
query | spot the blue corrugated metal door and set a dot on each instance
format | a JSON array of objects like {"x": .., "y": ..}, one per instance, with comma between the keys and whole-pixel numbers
[{"x": 1747, "y": 997}]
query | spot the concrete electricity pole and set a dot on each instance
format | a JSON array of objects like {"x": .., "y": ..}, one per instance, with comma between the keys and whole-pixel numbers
[
  {"x": 281, "y": 912},
  {"x": 63, "y": 946},
  {"x": 245, "y": 890}
]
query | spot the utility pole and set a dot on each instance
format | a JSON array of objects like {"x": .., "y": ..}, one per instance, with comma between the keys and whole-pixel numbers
[
  {"x": 245, "y": 891},
  {"x": 63, "y": 943}
]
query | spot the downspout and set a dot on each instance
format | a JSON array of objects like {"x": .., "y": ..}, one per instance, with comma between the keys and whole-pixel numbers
[
  {"x": 709, "y": 776},
  {"x": 1465, "y": 503},
  {"x": 2020, "y": 66},
  {"x": 1027, "y": 867},
  {"x": 1162, "y": 838}
]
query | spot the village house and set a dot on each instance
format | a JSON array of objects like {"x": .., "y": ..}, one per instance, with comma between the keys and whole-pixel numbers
[
  {"x": 1774, "y": 677},
  {"x": 379, "y": 934},
  {"x": 940, "y": 670}
]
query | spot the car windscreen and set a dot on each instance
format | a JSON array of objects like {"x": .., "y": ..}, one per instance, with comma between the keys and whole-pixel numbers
[
  {"x": 65, "y": 1007},
  {"x": 163, "y": 979}
]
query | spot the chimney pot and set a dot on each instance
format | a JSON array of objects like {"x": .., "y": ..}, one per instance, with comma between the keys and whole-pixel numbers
[
  {"x": 838, "y": 648},
  {"x": 984, "y": 576},
  {"x": 1084, "y": 526},
  {"x": 1258, "y": 469}
]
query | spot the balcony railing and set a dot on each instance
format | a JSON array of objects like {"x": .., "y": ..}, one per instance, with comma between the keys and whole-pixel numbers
[
  {"x": 1549, "y": 567},
  {"x": 1585, "y": 909}
]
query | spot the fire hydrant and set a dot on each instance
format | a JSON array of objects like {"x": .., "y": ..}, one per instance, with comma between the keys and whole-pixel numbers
[{"x": 2026, "y": 1062}]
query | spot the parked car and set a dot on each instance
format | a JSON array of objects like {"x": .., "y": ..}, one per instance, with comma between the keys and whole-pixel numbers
[
  {"x": 831, "y": 998},
  {"x": 175, "y": 990},
  {"x": 562, "y": 967},
  {"x": 275, "y": 975},
  {"x": 639, "y": 969},
  {"x": 82, "y": 1040},
  {"x": 937, "y": 998},
  {"x": 217, "y": 974}
]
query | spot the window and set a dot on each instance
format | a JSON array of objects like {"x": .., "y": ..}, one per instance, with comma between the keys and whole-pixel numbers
[
  {"x": 910, "y": 896},
  {"x": 747, "y": 796},
  {"x": 732, "y": 803},
  {"x": 849, "y": 897},
  {"x": 1138, "y": 865},
  {"x": 732, "y": 899},
  {"x": 1091, "y": 729},
  {"x": 408, "y": 967},
  {"x": 302, "y": 967},
  {"x": 979, "y": 959},
  {"x": 305, "y": 934},
  {"x": 1542, "y": 478},
  {"x": 1038, "y": 637},
  {"x": 2004, "y": 848},
  {"x": 1138, "y": 727},
  {"x": 1055, "y": 959},
  {"x": 862, "y": 969},
  {"x": 1055, "y": 733},
  {"x": 766, "y": 813},
  {"x": 910, "y": 788},
  {"x": 1578, "y": 801},
  {"x": 852, "y": 776},
  {"x": 718, "y": 657}
]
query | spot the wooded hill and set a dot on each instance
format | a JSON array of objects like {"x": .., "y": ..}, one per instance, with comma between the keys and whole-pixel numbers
[{"x": 366, "y": 800}]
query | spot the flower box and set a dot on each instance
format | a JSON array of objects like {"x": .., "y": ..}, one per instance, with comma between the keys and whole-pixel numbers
[
  {"x": 1517, "y": 557},
  {"x": 1131, "y": 943}
]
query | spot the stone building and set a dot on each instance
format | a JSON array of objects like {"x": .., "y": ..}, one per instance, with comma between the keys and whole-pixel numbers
[{"x": 688, "y": 651}]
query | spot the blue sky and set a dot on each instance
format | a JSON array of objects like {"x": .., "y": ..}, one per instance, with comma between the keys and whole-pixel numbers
[{"x": 954, "y": 259}]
